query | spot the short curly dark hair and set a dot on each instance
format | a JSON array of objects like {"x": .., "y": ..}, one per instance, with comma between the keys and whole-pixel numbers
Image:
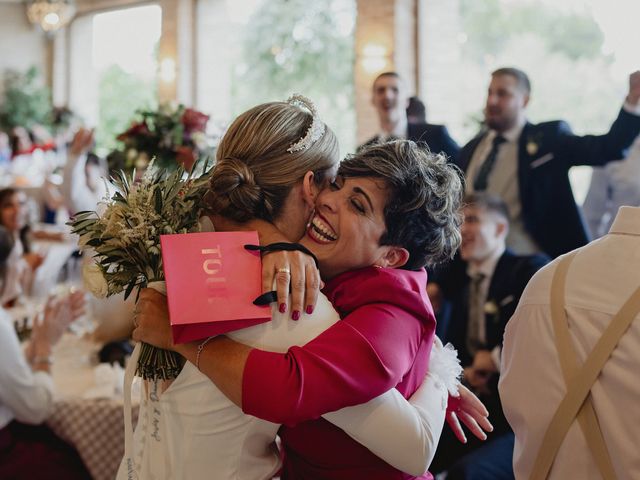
[{"x": 423, "y": 213}]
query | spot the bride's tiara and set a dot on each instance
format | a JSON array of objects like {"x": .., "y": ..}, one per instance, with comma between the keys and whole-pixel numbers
[{"x": 314, "y": 132}]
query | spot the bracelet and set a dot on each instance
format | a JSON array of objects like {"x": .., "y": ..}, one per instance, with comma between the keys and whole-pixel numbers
[
  {"x": 48, "y": 360},
  {"x": 200, "y": 348}
]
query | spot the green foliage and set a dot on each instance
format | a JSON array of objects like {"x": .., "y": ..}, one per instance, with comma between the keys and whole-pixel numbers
[
  {"x": 302, "y": 47},
  {"x": 121, "y": 95},
  {"x": 26, "y": 101},
  {"x": 125, "y": 241},
  {"x": 492, "y": 24},
  {"x": 562, "y": 52}
]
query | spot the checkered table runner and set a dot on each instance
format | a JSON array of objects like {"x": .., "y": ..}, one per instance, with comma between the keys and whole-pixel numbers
[{"x": 96, "y": 429}]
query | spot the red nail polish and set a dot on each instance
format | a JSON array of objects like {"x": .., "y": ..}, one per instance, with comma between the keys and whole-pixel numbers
[
  {"x": 309, "y": 309},
  {"x": 295, "y": 315},
  {"x": 283, "y": 307}
]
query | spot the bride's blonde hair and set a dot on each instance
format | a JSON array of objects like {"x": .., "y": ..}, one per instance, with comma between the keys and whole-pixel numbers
[{"x": 255, "y": 172}]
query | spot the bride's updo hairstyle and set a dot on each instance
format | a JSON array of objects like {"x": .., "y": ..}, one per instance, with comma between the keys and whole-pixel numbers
[{"x": 264, "y": 153}]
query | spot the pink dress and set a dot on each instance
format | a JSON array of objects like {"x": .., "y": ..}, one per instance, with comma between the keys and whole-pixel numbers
[{"x": 382, "y": 341}]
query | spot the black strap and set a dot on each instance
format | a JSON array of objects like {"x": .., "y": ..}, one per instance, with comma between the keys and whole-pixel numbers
[
  {"x": 266, "y": 298},
  {"x": 280, "y": 246},
  {"x": 270, "y": 297}
]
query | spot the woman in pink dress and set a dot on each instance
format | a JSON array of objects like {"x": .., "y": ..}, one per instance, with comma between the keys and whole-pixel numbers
[{"x": 393, "y": 209}]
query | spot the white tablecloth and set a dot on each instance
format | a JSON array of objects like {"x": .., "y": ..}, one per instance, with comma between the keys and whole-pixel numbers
[{"x": 94, "y": 426}]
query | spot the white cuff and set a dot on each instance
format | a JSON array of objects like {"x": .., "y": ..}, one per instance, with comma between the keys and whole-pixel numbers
[{"x": 445, "y": 365}]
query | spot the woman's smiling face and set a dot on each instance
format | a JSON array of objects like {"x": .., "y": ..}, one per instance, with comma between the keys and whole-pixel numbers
[{"x": 345, "y": 231}]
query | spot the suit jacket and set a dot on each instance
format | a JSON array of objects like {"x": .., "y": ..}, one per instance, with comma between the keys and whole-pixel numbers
[
  {"x": 546, "y": 152},
  {"x": 436, "y": 137},
  {"x": 510, "y": 277}
]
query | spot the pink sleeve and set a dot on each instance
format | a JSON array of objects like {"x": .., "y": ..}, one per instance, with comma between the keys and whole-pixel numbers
[{"x": 357, "y": 359}]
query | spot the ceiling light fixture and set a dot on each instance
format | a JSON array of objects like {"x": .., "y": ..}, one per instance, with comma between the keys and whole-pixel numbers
[{"x": 50, "y": 15}]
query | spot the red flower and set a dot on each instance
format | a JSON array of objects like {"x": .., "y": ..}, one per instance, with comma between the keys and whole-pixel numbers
[
  {"x": 185, "y": 156},
  {"x": 139, "y": 128},
  {"x": 194, "y": 121}
]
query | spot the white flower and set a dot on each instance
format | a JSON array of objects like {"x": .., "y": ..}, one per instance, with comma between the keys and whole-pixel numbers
[
  {"x": 94, "y": 280},
  {"x": 141, "y": 161},
  {"x": 532, "y": 147},
  {"x": 200, "y": 140},
  {"x": 491, "y": 308}
]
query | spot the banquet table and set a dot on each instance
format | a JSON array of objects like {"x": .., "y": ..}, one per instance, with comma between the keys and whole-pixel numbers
[{"x": 87, "y": 414}]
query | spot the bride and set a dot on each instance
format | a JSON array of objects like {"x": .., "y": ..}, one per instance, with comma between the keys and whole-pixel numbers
[{"x": 272, "y": 164}]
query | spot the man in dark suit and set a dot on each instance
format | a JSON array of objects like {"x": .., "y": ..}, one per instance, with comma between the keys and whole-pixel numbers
[
  {"x": 527, "y": 164},
  {"x": 390, "y": 99},
  {"x": 482, "y": 289}
]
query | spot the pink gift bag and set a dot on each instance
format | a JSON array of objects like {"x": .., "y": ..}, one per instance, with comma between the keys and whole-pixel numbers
[{"x": 211, "y": 283}]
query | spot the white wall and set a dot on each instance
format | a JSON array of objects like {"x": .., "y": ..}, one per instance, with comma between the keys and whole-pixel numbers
[{"x": 21, "y": 45}]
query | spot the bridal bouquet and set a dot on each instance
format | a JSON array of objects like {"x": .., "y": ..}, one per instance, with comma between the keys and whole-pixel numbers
[
  {"x": 125, "y": 239},
  {"x": 172, "y": 135}
]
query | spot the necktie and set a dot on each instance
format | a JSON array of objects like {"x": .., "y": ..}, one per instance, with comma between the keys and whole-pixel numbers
[
  {"x": 476, "y": 314},
  {"x": 482, "y": 178}
]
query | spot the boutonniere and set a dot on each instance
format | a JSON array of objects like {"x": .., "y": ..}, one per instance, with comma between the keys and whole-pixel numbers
[
  {"x": 533, "y": 143},
  {"x": 492, "y": 309}
]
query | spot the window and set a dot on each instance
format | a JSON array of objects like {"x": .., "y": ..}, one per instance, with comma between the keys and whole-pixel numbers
[
  {"x": 114, "y": 68},
  {"x": 254, "y": 51},
  {"x": 578, "y": 54}
]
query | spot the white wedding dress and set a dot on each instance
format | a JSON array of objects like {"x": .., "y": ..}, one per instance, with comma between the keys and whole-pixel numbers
[{"x": 192, "y": 431}]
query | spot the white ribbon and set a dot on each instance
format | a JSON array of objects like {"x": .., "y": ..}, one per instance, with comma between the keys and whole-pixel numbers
[{"x": 129, "y": 373}]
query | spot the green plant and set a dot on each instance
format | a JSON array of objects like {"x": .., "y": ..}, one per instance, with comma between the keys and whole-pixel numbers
[{"x": 26, "y": 101}]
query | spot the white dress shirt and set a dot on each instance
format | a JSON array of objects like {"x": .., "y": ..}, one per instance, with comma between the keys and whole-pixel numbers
[
  {"x": 399, "y": 131},
  {"x": 601, "y": 278},
  {"x": 503, "y": 181},
  {"x": 486, "y": 268},
  {"x": 24, "y": 395}
]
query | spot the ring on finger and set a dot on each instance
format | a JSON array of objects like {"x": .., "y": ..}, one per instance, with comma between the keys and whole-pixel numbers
[{"x": 284, "y": 270}]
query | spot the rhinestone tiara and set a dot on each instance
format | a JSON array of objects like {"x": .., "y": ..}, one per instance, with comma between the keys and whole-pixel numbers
[{"x": 314, "y": 132}]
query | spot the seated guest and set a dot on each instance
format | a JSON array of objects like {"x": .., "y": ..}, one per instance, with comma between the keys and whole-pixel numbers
[
  {"x": 566, "y": 311},
  {"x": 22, "y": 262},
  {"x": 29, "y": 450},
  {"x": 21, "y": 142},
  {"x": 482, "y": 290}
]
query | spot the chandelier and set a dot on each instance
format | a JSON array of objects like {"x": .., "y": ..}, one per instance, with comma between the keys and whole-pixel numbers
[{"x": 50, "y": 15}]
